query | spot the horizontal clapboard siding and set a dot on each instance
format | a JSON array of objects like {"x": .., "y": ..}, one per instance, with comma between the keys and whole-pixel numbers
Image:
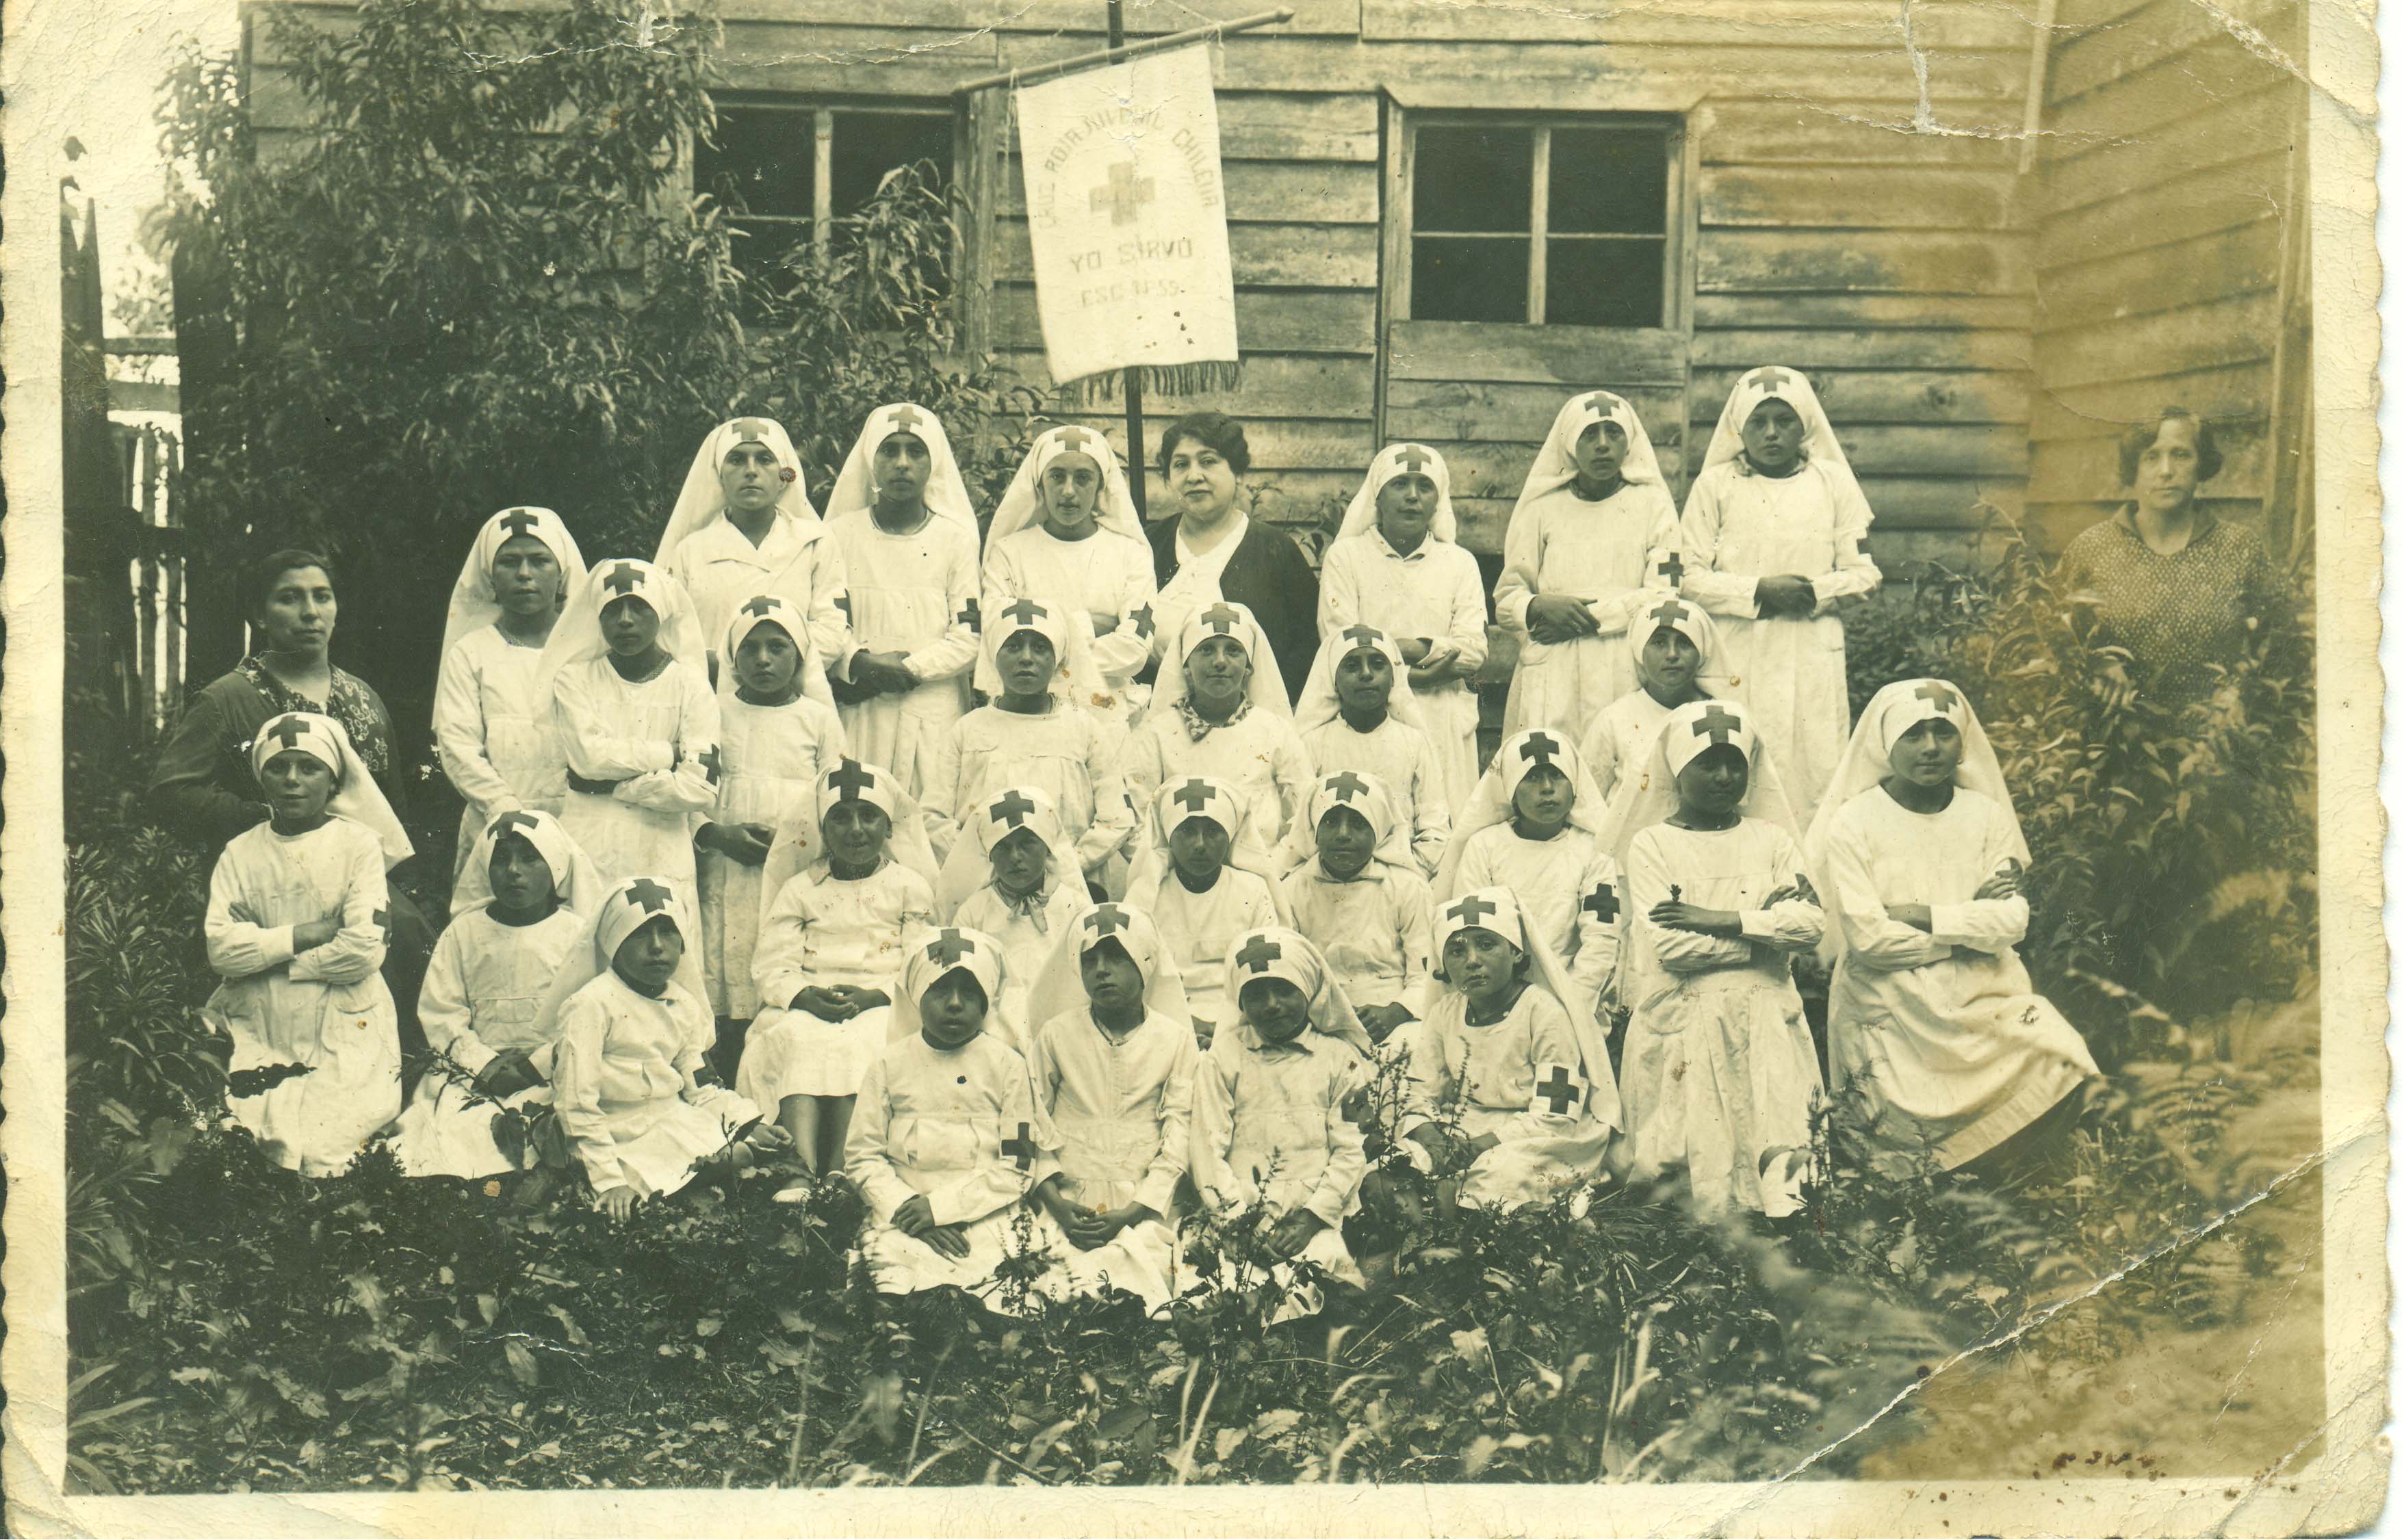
[{"x": 2164, "y": 205}]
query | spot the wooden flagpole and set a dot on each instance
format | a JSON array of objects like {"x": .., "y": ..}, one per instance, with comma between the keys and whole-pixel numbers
[{"x": 1138, "y": 479}]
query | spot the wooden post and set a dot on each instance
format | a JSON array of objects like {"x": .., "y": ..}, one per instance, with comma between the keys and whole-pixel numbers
[{"x": 1137, "y": 482}]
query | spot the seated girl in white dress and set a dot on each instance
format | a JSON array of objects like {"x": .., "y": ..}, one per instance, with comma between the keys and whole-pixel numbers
[
  {"x": 1190, "y": 877},
  {"x": 1066, "y": 532},
  {"x": 1677, "y": 662},
  {"x": 849, "y": 886},
  {"x": 1773, "y": 533},
  {"x": 297, "y": 926},
  {"x": 1397, "y": 565},
  {"x": 1931, "y": 1013},
  {"x": 632, "y": 1031},
  {"x": 1509, "y": 1090},
  {"x": 945, "y": 1143},
  {"x": 637, "y": 719},
  {"x": 520, "y": 906},
  {"x": 1113, "y": 1061},
  {"x": 781, "y": 732},
  {"x": 1358, "y": 712},
  {"x": 1017, "y": 882},
  {"x": 1593, "y": 539},
  {"x": 1220, "y": 709},
  {"x": 1534, "y": 827},
  {"x": 1274, "y": 1117},
  {"x": 1362, "y": 900},
  {"x": 492, "y": 732},
  {"x": 900, "y": 513},
  {"x": 1034, "y": 733},
  {"x": 1719, "y": 1074}
]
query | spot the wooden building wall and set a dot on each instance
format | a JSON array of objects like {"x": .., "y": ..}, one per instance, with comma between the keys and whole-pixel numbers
[
  {"x": 2168, "y": 244},
  {"x": 1853, "y": 205}
]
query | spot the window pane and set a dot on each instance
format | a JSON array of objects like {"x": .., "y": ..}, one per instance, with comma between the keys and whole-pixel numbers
[
  {"x": 765, "y": 158},
  {"x": 867, "y": 144},
  {"x": 1609, "y": 179},
  {"x": 1474, "y": 179},
  {"x": 1604, "y": 282},
  {"x": 1452, "y": 278},
  {"x": 760, "y": 245}
]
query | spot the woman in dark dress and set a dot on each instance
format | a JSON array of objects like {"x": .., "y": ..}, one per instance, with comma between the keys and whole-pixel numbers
[
  {"x": 2177, "y": 586},
  {"x": 1212, "y": 549},
  {"x": 202, "y": 787}
]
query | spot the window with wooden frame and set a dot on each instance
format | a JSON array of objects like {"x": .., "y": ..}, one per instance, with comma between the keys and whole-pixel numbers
[
  {"x": 1549, "y": 222},
  {"x": 791, "y": 167}
]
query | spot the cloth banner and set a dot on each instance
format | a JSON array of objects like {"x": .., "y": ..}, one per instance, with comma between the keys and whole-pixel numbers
[{"x": 1127, "y": 214}]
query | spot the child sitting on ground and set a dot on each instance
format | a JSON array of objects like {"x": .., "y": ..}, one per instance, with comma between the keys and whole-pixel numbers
[
  {"x": 946, "y": 1136},
  {"x": 1364, "y": 902},
  {"x": 1677, "y": 663},
  {"x": 1718, "y": 1072},
  {"x": 1113, "y": 1062},
  {"x": 297, "y": 929},
  {"x": 1507, "y": 1090},
  {"x": 1359, "y": 713},
  {"x": 1270, "y": 1125},
  {"x": 778, "y": 739},
  {"x": 1031, "y": 894},
  {"x": 849, "y": 888},
  {"x": 1534, "y": 828},
  {"x": 625, "y": 675},
  {"x": 628, "y": 1015},
  {"x": 515, "y": 917},
  {"x": 1034, "y": 733},
  {"x": 1188, "y": 880}
]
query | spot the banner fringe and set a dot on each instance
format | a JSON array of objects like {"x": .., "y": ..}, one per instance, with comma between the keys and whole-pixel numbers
[{"x": 1219, "y": 378}]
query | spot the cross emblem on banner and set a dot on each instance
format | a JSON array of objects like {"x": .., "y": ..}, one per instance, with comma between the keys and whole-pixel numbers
[
  {"x": 1125, "y": 194},
  {"x": 513, "y": 823},
  {"x": 1020, "y": 1148},
  {"x": 950, "y": 947},
  {"x": 1108, "y": 919},
  {"x": 1195, "y": 795},
  {"x": 905, "y": 420},
  {"x": 1257, "y": 954},
  {"x": 1937, "y": 695},
  {"x": 518, "y": 521},
  {"x": 849, "y": 780},
  {"x": 1346, "y": 786},
  {"x": 970, "y": 613},
  {"x": 1601, "y": 903},
  {"x": 288, "y": 731},
  {"x": 1011, "y": 808},
  {"x": 1772, "y": 379},
  {"x": 1671, "y": 613},
  {"x": 1560, "y": 1090},
  {"x": 1220, "y": 619},
  {"x": 1073, "y": 439},
  {"x": 1472, "y": 910},
  {"x": 650, "y": 895},
  {"x": 762, "y": 604},
  {"x": 1024, "y": 612},
  {"x": 1539, "y": 749},
  {"x": 1415, "y": 460},
  {"x": 1362, "y": 636},
  {"x": 1671, "y": 567},
  {"x": 622, "y": 579},
  {"x": 1717, "y": 724}
]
